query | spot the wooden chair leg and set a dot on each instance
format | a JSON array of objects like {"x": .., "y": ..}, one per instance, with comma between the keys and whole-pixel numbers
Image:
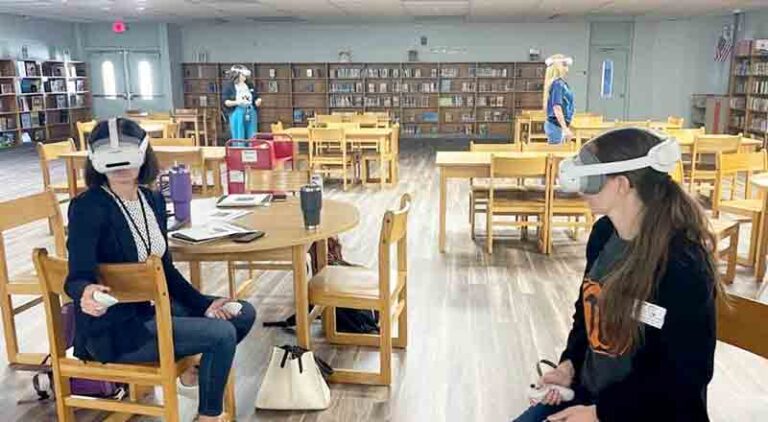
[
  {"x": 733, "y": 250},
  {"x": 489, "y": 229},
  {"x": 231, "y": 279},
  {"x": 9, "y": 326},
  {"x": 401, "y": 342},
  {"x": 385, "y": 348},
  {"x": 472, "y": 215},
  {"x": 230, "y": 407},
  {"x": 170, "y": 401},
  {"x": 63, "y": 412},
  {"x": 329, "y": 323}
]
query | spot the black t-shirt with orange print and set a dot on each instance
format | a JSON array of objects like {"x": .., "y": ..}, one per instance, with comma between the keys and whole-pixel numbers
[{"x": 601, "y": 368}]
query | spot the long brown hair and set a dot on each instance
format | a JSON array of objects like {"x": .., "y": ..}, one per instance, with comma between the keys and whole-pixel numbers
[{"x": 669, "y": 213}]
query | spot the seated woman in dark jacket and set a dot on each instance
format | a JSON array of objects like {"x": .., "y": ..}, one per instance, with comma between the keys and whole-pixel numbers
[{"x": 117, "y": 220}]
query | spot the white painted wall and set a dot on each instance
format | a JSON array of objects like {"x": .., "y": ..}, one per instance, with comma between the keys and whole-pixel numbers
[{"x": 46, "y": 39}]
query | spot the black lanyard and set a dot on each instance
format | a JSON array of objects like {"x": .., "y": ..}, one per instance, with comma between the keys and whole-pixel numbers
[{"x": 148, "y": 241}]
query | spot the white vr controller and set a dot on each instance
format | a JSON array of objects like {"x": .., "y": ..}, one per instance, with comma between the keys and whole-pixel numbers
[
  {"x": 105, "y": 299},
  {"x": 537, "y": 394},
  {"x": 232, "y": 308}
]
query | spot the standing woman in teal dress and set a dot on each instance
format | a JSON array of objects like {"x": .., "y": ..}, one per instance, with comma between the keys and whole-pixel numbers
[{"x": 241, "y": 102}]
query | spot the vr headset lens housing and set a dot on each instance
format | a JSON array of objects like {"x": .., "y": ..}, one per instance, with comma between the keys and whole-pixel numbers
[{"x": 117, "y": 152}]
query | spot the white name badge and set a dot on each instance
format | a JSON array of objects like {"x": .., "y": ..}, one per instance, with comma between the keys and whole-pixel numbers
[{"x": 652, "y": 315}]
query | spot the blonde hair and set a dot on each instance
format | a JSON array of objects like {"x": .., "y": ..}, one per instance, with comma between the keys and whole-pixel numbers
[{"x": 556, "y": 70}]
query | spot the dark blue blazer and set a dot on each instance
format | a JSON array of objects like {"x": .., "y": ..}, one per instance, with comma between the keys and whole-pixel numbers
[{"x": 99, "y": 234}]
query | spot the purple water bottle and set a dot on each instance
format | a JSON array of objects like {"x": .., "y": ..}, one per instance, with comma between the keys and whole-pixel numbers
[{"x": 181, "y": 192}]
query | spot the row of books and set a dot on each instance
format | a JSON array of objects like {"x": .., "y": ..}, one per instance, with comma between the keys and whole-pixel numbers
[
  {"x": 465, "y": 117},
  {"x": 346, "y": 101},
  {"x": 8, "y": 123},
  {"x": 7, "y": 139},
  {"x": 382, "y": 101},
  {"x": 759, "y": 87},
  {"x": 32, "y": 120},
  {"x": 738, "y": 103},
  {"x": 490, "y": 101},
  {"x": 759, "y": 124},
  {"x": 758, "y": 104},
  {"x": 6, "y": 88},
  {"x": 31, "y": 104},
  {"x": 456, "y": 101},
  {"x": 738, "y": 120},
  {"x": 759, "y": 69}
]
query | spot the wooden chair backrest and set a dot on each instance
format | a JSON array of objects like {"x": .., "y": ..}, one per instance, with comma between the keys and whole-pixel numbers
[
  {"x": 677, "y": 173},
  {"x": 172, "y": 142},
  {"x": 344, "y": 125},
  {"x": 742, "y": 324},
  {"x": 587, "y": 119},
  {"x": 394, "y": 230},
  {"x": 633, "y": 123},
  {"x": 325, "y": 119},
  {"x": 192, "y": 158},
  {"x": 36, "y": 207},
  {"x": 675, "y": 121},
  {"x": 364, "y": 120},
  {"x": 84, "y": 128},
  {"x": 395, "y": 147},
  {"x": 48, "y": 152},
  {"x": 729, "y": 163},
  {"x": 536, "y": 114},
  {"x": 546, "y": 147},
  {"x": 685, "y": 135},
  {"x": 276, "y": 180},
  {"x": 277, "y": 127},
  {"x": 712, "y": 144},
  {"x": 326, "y": 135},
  {"x": 164, "y": 115},
  {"x": 518, "y": 167},
  {"x": 139, "y": 282},
  {"x": 475, "y": 147}
]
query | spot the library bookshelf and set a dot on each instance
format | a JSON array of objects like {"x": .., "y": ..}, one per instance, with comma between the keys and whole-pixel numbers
[
  {"x": 749, "y": 89},
  {"x": 478, "y": 100},
  {"x": 40, "y": 101}
]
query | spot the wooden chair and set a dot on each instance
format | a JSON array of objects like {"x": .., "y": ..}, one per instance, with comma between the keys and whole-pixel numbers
[
  {"x": 568, "y": 205},
  {"x": 83, "y": 130},
  {"x": 48, "y": 152},
  {"x": 372, "y": 154},
  {"x": 277, "y": 127},
  {"x": 478, "y": 192},
  {"x": 329, "y": 152},
  {"x": 633, "y": 123},
  {"x": 324, "y": 119},
  {"x": 276, "y": 180},
  {"x": 543, "y": 147},
  {"x": 36, "y": 207},
  {"x": 741, "y": 323},
  {"x": 523, "y": 202},
  {"x": 535, "y": 133},
  {"x": 723, "y": 230},
  {"x": 129, "y": 283},
  {"x": 675, "y": 122},
  {"x": 364, "y": 120},
  {"x": 703, "y": 159},
  {"x": 193, "y": 158},
  {"x": 748, "y": 209},
  {"x": 359, "y": 288},
  {"x": 172, "y": 142}
]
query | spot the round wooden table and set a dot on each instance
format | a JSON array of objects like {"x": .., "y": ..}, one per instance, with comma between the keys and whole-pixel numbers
[{"x": 286, "y": 240}]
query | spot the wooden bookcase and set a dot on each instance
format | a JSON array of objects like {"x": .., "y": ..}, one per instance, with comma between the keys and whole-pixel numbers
[
  {"x": 749, "y": 89},
  {"x": 429, "y": 99},
  {"x": 42, "y": 100}
]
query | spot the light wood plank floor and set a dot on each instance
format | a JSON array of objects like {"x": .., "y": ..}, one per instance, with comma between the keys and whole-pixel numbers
[{"x": 478, "y": 323}]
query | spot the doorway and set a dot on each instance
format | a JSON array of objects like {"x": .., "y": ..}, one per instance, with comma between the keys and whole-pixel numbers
[
  {"x": 126, "y": 80},
  {"x": 608, "y": 82}
]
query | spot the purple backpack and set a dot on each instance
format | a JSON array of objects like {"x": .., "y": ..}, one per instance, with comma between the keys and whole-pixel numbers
[{"x": 78, "y": 386}]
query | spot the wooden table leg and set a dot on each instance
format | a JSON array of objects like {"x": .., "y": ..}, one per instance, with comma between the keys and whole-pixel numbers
[
  {"x": 441, "y": 211},
  {"x": 218, "y": 188},
  {"x": 194, "y": 275},
  {"x": 761, "y": 243},
  {"x": 382, "y": 175},
  {"x": 301, "y": 295},
  {"x": 71, "y": 177}
]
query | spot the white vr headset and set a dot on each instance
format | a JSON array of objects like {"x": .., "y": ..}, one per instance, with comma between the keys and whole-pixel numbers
[
  {"x": 584, "y": 173},
  {"x": 117, "y": 152},
  {"x": 241, "y": 70},
  {"x": 568, "y": 61}
]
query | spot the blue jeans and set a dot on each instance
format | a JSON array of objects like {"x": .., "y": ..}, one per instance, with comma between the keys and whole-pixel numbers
[
  {"x": 216, "y": 339},
  {"x": 554, "y": 132},
  {"x": 239, "y": 127},
  {"x": 540, "y": 412}
]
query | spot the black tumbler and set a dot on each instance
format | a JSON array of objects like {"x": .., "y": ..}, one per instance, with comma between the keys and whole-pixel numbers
[{"x": 311, "y": 204}]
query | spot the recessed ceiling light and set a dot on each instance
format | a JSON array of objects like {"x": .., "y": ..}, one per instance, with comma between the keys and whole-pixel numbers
[{"x": 140, "y": 8}]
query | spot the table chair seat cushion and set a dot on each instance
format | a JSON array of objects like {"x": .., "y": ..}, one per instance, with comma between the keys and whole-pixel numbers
[{"x": 334, "y": 283}]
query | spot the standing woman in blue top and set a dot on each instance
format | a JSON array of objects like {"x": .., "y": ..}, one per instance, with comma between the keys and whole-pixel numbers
[
  {"x": 241, "y": 101},
  {"x": 558, "y": 99}
]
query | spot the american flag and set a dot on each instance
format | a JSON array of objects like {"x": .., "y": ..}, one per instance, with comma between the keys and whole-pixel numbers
[{"x": 724, "y": 45}]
